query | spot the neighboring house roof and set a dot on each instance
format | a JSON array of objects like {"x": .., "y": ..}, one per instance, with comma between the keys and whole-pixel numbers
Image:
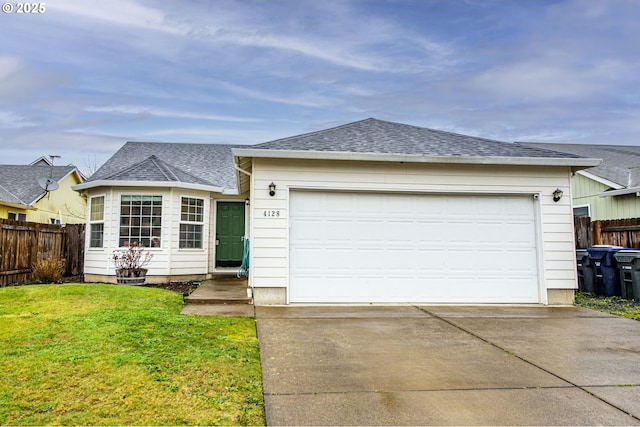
[
  {"x": 374, "y": 139},
  {"x": 620, "y": 167},
  {"x": 19, "y": 184},
  {"x": 209, "y": 165},
  {"x": 42, "y": 161},
  {"x": 7, "y": 197}
]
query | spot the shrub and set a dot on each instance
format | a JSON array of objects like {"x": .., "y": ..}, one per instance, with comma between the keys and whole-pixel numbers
[
  {"x": 48, "y": 270},
  {"x": 134, "y": 257}
]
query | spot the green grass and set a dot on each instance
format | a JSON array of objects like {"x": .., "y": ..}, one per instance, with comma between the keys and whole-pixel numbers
[
  {"x": 90, "y": 354},
  {"x": 612, "y": 305}
]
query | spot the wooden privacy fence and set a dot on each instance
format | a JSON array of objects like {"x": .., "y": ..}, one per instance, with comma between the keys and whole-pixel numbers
[
  {"x": 22, "y": 244},
  {"x": 618, "y": 232}
]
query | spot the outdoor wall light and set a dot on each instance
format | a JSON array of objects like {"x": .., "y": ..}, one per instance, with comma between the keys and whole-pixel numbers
[
  {"x": 272, "y": 189},
  {"x": 557, "y": 195}
]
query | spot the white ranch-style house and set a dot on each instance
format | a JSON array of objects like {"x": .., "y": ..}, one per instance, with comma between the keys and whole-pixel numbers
[{"x": 367, "y": 212}]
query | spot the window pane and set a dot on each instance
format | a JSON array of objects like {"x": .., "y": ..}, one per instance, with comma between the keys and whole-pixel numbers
[
  {"x": 140, "y": 218},
  {"x": 581, "y": 211},
  {"x": 96, "y": 233},
  {"x": 97, "y": 208},
  {"x": 190, "y": 236},
  {"x": 16, "y": 216},
  {"x": 192, "y": 210}
]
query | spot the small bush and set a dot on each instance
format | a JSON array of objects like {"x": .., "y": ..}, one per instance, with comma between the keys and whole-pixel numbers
[
  {"x": 132, "y": 258},
  {"x": 48, "y": 270}
]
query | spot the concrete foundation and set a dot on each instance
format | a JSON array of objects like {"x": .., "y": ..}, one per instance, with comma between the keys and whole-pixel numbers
[
  {"x": 561, "y": 296},
  {"x": 269, "y": 296},
  {"x": 101, "y": 278}
]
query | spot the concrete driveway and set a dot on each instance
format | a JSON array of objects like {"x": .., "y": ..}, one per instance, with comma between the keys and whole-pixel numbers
[{"x": 448, "y": 365}]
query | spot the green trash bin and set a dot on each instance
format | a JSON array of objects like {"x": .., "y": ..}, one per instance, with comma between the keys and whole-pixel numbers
[{"x": 629, "y": 267}]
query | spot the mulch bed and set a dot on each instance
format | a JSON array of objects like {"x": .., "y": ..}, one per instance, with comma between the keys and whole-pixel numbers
[{"x": 184, "y": 288}]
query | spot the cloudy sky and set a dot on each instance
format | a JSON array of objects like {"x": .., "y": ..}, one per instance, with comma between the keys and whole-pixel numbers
[{"x": 83, "y": 77}]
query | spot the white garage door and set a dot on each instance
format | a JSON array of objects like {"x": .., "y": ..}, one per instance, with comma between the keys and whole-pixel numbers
[{"x": 370, "y": 247}]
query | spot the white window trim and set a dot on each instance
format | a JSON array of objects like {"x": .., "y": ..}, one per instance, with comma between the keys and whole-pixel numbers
[
  {"x": 201, "y": 223},
  {"x": 92, "y": 222},
  {"x": 582, "y": 206}
]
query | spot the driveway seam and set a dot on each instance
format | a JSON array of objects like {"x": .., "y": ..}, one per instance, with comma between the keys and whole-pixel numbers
[
  {"x": 426, "y": 390},
  {"x": 473, "y": 334}
]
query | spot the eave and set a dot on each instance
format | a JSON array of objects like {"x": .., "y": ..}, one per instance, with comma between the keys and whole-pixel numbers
[
  {"x": 574, "y": 163},
  {"x": 17, "y": 205},
  {"x": 601, "y": 180},
  {"x": 621, "y": 192},
  {"x": 152, "y": 184}
]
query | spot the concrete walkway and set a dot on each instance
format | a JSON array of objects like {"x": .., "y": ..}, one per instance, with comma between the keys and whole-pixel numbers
[
  {"x": 224, "y": 295},
  {"x": 448, "y": 365}
]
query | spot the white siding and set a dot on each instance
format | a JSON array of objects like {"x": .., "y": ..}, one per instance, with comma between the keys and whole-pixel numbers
[
  {"x": 169, "y": 259},
  {"x": 270, "y": 263},
  {"x": 185, "y": 261}
]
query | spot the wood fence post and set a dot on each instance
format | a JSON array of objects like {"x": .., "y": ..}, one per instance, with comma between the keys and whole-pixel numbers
[{"x": 596, "y": 235}]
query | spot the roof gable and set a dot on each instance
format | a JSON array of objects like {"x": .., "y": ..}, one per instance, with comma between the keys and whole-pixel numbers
[{"x": 153, "y": 169}]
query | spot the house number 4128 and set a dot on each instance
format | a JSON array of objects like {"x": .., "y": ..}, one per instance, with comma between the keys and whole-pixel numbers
[{"x": 272, "y": 214}]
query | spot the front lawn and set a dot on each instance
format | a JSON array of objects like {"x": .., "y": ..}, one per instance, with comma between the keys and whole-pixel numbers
[
  {"x": 89, "y": 354},
  {"x": 612, "y": 305}
]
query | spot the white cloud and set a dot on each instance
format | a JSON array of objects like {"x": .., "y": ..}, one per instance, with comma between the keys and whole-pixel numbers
[
  {"x": 20, "y": 80},
  {"x": 10, "y": 120},
  {"x": 215, "y": 135},
  {"x": 121, "y": 70},
  {"x": 540, "y": 79},
  {"x": 8, "y": 66},
  {"x": 126, "y": 13},
  {"x": 336, "y": 33},
  {"x": 307, "y": 99},
  {"x": 159, "y": 112}
]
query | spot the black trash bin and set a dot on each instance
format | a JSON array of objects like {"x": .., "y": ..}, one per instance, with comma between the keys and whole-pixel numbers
[
  {"x": 585, "y": 271},
  {"x": 606, "y": 276},
  {"x": 629, "y": 267}
]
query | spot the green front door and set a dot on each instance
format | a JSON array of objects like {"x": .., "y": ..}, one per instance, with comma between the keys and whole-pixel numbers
[{"x": 229, "y": 233}]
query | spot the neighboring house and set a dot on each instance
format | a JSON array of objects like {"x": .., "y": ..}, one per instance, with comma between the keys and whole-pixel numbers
[
  {"x": 367, "y": 212},
  {"x": 610, "y": 190},
  {"x": 23, "y": 198}
]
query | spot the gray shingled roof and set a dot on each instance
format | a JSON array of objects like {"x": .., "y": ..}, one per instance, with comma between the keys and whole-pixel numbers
[
  {"x": 620, "y": 163},
  {"x": 212, "y": 164},
  {"x": 19, "y": 184},
  {"x": 206, "y": 164},
  {"x": 382, "y": 137}
]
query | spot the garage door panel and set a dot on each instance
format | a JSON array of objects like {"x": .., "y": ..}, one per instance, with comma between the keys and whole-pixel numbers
[
  {"x": 336, "y": 230},
  {"x": 428, "y": 231},
  {"x": 367, "y": 247},
  {"x": 310, "y": 230}
]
